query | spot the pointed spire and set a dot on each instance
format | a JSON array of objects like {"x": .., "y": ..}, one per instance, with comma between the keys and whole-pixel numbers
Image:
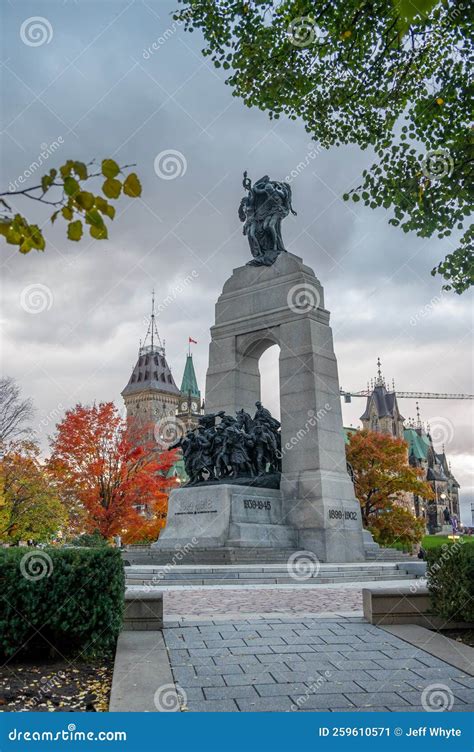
[
  {"x": 152, "y": 315},
  {"x": 418, "y": 417},
  {"x": 380, "y": 381},
  {"x": 156, "y": 345},
  {"x": 189, "y": 385}
]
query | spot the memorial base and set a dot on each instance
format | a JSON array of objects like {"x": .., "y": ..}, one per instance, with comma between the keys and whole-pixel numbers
[{"x": 225, "y": 515}]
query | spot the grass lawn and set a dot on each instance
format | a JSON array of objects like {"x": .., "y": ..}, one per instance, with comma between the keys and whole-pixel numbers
[{"x": 433, "y": 541}]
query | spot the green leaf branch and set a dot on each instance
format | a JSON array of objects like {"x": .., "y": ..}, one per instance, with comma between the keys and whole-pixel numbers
[{"x": 66, "y": 190}]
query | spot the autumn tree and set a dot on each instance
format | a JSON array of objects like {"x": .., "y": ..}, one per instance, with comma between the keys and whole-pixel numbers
[
  {"x": 393, "y": 75},
  {"x": 29, "y": 504},
  {"x": 109, "y": 466},
  {"x": 397, "y": 524},
  {"x": 381, "y": 473},
  {"x": 68, "y": 190}
]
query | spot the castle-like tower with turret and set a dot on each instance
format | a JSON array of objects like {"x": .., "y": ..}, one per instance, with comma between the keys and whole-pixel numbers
[
  {"x": 382, "y": 415},
  {"x": 152, "y": 397}
]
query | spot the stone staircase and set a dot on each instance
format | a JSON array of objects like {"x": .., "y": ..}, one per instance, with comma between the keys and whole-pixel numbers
[
  {"x": 147, "y": 555},
  {"x": 239, "y": 575},
  {"x": 151, "y": 556},
  {"x": 390, "y": 554}
]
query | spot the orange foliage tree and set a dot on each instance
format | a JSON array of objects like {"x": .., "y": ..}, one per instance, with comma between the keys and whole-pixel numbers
[
  {"x": 382, "y": 477},
  {"x": 110, "y": 466}
]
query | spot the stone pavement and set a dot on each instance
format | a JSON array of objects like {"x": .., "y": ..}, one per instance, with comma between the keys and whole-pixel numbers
[
  {"x": 298, "y": 663},
  {"x": 298, "y": 599}
]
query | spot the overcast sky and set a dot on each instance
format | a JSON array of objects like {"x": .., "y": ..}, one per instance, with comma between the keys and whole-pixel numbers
[{"x": 121, "y": 79}]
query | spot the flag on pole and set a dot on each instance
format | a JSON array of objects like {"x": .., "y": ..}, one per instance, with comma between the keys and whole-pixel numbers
[{"x": 190, "y": 339}]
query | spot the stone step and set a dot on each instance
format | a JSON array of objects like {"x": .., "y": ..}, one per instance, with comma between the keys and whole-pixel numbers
[
  {"x": 243, "y": 583},
  {"x": 255, "y": 574},
  {"x": 175, "y": 573},
  {"x": 262, "y": 567},
  {"x": 146, "y": 555}
]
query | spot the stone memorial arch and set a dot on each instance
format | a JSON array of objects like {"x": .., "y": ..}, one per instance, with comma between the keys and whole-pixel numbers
[{"x": 283, "y": 303}]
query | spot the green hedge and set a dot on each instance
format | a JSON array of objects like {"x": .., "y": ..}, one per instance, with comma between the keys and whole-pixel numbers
[
  {"x": 70, "y": 600},
  {"x": 451, "y": 581},
  {"x": 89, "y": 540}
]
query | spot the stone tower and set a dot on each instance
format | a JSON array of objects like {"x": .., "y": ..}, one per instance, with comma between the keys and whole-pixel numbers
[
  {"x": 190, "y": 404},
  {"x": 151, "y": 395},
  {"x": 381, "y": 411}
]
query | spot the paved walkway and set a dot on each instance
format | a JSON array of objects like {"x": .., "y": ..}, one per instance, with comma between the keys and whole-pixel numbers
[
  {"x": 304, "y": 664},
  {"x": 291, "y": 600}
]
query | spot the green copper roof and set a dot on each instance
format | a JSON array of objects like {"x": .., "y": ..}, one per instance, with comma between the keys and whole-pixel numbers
[
  {"x": 348, "y": 431},
  {"x": 417, "y": 445},
  {"x": 189, "y": 383}
]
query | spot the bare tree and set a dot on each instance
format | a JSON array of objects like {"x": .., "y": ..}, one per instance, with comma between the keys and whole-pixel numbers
[{"x": 15, "y": 412}]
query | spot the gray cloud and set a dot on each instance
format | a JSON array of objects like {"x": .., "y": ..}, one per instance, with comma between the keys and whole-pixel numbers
[{"x": 93, "y": 86}]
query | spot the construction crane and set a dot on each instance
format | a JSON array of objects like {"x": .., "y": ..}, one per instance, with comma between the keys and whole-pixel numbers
[
  {"x": 408, "y": 395},
  {"x": 380, "y": 381}
]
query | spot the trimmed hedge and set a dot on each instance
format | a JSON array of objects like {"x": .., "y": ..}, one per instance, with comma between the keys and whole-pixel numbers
[
  {"x": 70, "y": 600},
  {"x": 451, "y": 581},
  {"x": 89, "y": 540}
]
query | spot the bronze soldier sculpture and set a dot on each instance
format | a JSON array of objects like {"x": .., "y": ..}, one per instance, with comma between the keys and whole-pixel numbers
[
  {"x": 262, "y": 210},
  {"x": 243, "y": 448}
]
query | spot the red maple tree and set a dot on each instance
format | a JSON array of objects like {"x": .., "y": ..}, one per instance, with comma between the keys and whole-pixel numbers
[{"x": 109, "y": 466}]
